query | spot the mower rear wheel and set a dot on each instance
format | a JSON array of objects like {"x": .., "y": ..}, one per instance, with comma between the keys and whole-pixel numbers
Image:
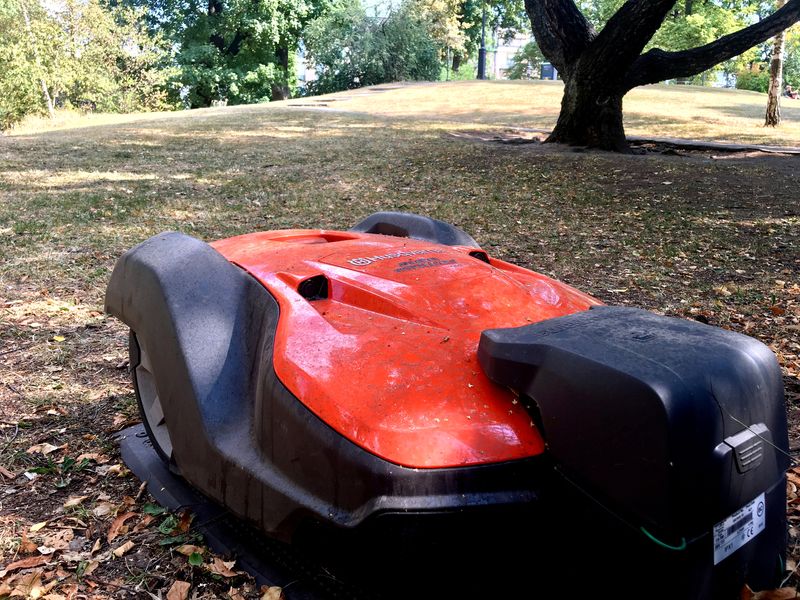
[{"x": 150, "y": 409}]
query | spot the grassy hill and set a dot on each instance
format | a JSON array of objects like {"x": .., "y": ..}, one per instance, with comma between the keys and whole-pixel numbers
[{"x": 657, "y": 110}]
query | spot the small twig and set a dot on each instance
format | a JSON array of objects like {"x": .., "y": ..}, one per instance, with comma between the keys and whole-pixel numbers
[
  {"x": 15, "y": 390},
  {"x": 17, "y": 349},
  {"x": 127, "y": 588},
  {"x": 141, "y": 491},
  {"x": 13, "y": 437}
]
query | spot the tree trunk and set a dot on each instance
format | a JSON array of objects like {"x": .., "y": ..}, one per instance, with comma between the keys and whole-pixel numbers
[
  {"x": 456, "y": 61},
  {"x": 48, "y": 100},
  {"x": 590, "y": 116},
  {"x": 773, "y": 116},
  {"x": 280, "y": 88}
]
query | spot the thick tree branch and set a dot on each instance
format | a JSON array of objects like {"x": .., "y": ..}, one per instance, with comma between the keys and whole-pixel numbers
[
  {"x": 658, "y": 65},
  {"x": 561, "y": 30},
  {"x": 628, "y": 31}
]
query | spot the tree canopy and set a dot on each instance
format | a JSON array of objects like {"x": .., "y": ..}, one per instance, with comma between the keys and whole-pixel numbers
[
  {"x": 350, "y": 49},
  {"x": 79, "y": 54}
]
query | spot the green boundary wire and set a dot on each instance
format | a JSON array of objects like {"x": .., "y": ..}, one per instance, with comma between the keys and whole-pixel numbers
[{"x": 653, "y": 538}]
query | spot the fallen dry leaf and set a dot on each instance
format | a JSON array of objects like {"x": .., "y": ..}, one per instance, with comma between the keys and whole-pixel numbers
[
  {"x": 117, "y": 470},
  {"x": 25, "y": 563},
  {"x": 6, "y": 473},
  {"x": 44, "y": 449},
  {"x": 781, "y": 594},
  {"x": 271, "y": 593},
  {"x": 235, "y": 594},
  {"x": 37, "y": 526},
  {"x": 124, "y": 549},
  {"x": 29, "y": 586},
  {"x": 188, "y": 549},
  {"x": 59, "y": 540},
  {"x": 100, "y": 459},
  {"x": 26, "y": 546},
  {"x": 185, "y": 521},
  {"x": 91, "y": 567},
  {"x": 74, "y": 501},
  {"x": 96, "y": 546},
  {"x": 117, "y": 526},
  {"x": 179, "y": 590},
  {"x": 144, "y": 523},
  {"x": 102, "y": 509},
  {"x": 221, "y": 567}
]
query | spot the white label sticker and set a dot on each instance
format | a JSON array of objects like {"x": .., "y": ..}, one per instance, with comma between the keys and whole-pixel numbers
[{"x": 738, "y": 529}]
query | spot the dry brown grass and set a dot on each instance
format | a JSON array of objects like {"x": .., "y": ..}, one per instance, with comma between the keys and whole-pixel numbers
[{"x": 657, "y": 110}]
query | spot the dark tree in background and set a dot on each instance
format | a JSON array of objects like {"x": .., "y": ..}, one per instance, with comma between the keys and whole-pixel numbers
[{"x": 599, "y": 68}]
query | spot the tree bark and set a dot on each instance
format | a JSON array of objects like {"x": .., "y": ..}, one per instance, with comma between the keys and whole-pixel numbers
[
  {"x": 456, "y": 61},
  {"x": 773, "y": 116},
  {"x": 591, "y": 115},
  {"x": 280, "y": 89}
]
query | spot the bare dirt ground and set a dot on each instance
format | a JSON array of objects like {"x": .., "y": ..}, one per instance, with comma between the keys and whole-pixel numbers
[{"x": 698, "y": 235}]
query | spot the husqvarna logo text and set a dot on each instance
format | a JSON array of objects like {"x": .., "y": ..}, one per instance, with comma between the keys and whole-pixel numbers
[{"x": 368, "y": 260}]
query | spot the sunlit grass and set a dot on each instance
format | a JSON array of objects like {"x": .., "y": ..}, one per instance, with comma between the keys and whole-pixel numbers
[{"x": 688, "y": 112}]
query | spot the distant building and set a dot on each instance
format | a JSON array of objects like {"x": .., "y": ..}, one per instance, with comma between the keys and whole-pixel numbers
[{"x": 499, "y": 58}]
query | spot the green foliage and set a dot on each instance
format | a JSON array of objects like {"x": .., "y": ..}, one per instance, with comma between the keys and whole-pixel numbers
[
  {"x": 351, "y": 50},
  {"x": 526, "y": 63},
  {"x": 232, "y": 51},
  {"x": 85, "y": 55},
  {"x": 755, "y": 75},
  {"x": 756, "y": 81},
  {"x": 791, "y": 64}
]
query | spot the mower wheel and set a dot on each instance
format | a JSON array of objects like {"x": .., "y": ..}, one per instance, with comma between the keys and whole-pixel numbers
[{"x": 150, "y": 409}]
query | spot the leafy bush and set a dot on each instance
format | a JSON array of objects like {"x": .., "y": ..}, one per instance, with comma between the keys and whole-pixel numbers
[
  {"x": 526, "y": 63},
  {"x": 81, "y": 55},
  {"x": 756, "y": 81},
  {"x": 350, "y": 50}
]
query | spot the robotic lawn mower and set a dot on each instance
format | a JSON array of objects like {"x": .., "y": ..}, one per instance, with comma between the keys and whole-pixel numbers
[{"x": 395, "y": 385}]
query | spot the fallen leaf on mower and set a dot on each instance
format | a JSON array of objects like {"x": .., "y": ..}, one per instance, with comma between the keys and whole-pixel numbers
[
  {"x": 73, "y": 501},
  {"x": 781, "y": 594},
  {"x": 185, "y": 521},
  {"x": 117, "y": 526},
  {"x": 179, "y": 590},
  {"x": 188, "y": 549},
  {"x": 122, "y": 550},
  {"x": 221, "y": 567},
  {"x": 272, "y": 593},
  {"x": 25, "y": 563}
]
